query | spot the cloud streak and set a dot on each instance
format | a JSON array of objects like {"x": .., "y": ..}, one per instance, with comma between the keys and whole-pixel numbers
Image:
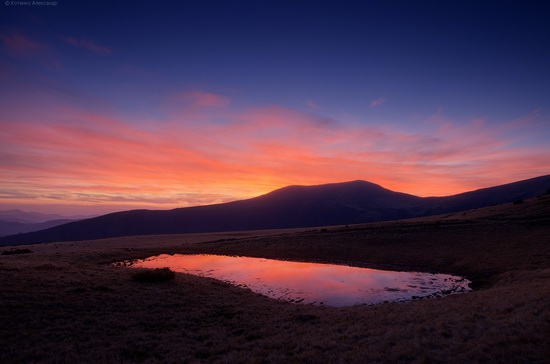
[
  {"x": 22, "y": 45},
  {"x": 87, "y": 45},
  {"x": 194, "y": 158},
  {"x": 377, "y": 102}
]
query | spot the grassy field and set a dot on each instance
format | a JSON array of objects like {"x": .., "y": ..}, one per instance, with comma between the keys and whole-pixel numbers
[{"x": 66, "y": 303}]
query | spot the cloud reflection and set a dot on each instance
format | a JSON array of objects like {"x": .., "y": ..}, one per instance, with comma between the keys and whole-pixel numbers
[{"x": 332, "y": 285}]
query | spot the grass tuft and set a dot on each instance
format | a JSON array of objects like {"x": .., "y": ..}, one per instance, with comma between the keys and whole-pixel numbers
[
  {"x": 305, "y": 318},
  {"x": 154, "y": 275},
  {"x": 16, "y": 251}
]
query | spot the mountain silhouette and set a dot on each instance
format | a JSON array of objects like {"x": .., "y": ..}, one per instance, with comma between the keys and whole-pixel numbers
[
  {"x": 24, "y": 217},
  {"x": 289, "y": 207},
  {"x": 10, "y": 227}
]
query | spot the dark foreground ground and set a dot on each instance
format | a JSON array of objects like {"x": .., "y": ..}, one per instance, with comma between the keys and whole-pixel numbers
[{"x": 65, "y": 303}]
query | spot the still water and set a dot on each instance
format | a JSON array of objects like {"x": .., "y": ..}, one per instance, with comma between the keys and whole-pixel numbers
[{"x": 312, "y": 283}]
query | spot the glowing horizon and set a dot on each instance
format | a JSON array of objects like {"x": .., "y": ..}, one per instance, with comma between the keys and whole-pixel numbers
[
  {"x": 103, "y": 160},
  {"x": 91, "y": 122}
]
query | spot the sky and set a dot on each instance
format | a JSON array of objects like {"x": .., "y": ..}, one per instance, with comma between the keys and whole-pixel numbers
[{"x": 117, "y": 105}]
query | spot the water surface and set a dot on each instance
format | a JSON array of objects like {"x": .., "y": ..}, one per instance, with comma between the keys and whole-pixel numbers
[{"x": 312, "y": 283}]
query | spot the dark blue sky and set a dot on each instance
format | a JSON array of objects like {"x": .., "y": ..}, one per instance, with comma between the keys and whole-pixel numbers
[
  {"x": 472, "y": 58},
  {"x": 417, "y": 77}
]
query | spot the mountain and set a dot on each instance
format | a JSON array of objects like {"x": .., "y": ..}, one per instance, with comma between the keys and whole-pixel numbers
[
  {"x": 20, "y": 216},
  {"x": 10, "y": 227},
  {"x": 16, "y": 221},
  {"x": 294, "y": 206}
]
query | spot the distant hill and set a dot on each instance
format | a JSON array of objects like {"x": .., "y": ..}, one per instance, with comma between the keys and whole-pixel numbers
[
  {"x": 16, "y": 215},
  {"x": 289, "y": 207},
  {"x": 10, "y": 227},
  {"x": 16, "y": 221}
]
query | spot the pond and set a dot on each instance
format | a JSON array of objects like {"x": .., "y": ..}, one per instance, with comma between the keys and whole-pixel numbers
[{"x": 311, "y": 283}]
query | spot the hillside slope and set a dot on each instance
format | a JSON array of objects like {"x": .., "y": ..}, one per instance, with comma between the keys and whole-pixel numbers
[
  {"x": 294, "y": 206},
  {"x": 10, "y": 227}
]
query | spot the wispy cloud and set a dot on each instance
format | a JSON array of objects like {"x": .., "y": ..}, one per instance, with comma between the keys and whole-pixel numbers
[
  {"x": 312, "y": 105},
  {"x": 87, "y": 45},
  {"x": 377, "y": 102},
  {"x": 184, "y": 160},
  {"x": 202, "y": 99},
  {"x": 19, "y": 45},
  {"x": 22, "y": 45}
]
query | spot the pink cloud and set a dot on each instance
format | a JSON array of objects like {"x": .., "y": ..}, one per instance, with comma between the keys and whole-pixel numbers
[
  {"x": 195, "y": 107},
  {"x": 203, "y": 99},
  {"x": 88, "y": 45},
  {"x": 98, "y": 158},
  {"x": 377, "y": 102},
  {"x": 20, "y": 44},
  {"x": 312, "y": 105}
]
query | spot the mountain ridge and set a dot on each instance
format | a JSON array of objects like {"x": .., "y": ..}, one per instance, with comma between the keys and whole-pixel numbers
[
  {"x": 25, "y": 217},
  {"x": 341, "y": 203},
  {"x": 17, "y": 221},
  {"x": 12, "y": 227}
]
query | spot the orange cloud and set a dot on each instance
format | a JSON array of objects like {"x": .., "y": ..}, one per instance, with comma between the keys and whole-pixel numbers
[{"x": 218, "y": 154}]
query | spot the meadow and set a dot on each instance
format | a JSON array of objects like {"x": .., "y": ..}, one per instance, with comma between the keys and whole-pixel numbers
[{"x": 67, "y": 302}]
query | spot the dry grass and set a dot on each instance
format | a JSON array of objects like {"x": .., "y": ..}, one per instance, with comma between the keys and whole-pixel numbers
[
  {"x": 66, "y": 303},
  {"x": 157, "y": 275},
  {"x": 16, "y": 251}
]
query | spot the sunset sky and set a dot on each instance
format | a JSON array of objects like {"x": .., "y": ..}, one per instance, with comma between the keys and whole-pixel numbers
[{"x": 116, "y": 105}]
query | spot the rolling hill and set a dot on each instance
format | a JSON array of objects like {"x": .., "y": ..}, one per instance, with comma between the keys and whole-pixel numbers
[
  {"x": 10, "y": 227},
  {"x": 294, "y": 206},
  {"x": 16, "y": 221},
  {"x": 16, "y": 215}
]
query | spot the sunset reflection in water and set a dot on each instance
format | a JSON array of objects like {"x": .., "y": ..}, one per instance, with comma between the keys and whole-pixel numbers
[{"x": 312, "y": 283}]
